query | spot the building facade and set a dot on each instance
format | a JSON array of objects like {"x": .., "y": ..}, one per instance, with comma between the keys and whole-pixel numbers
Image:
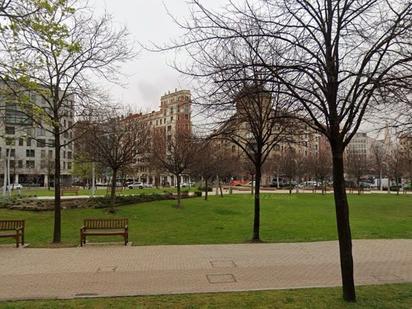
[
  {"x": 27, "y": 149},
  {"x": 173, "y": 116}
]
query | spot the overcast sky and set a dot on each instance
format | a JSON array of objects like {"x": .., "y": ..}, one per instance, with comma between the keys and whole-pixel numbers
[{"x": 148, "y": 76}]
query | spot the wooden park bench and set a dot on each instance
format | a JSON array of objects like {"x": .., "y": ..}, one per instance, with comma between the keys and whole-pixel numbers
[
  {"x": 70, "y": 190},
  {"x": 13, "y": 229},
  {"x": 104, "y": 227}
]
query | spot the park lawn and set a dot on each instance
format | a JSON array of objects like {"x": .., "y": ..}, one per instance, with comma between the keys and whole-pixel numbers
[
  {"x": 284, "y": 218},
  {"x": 392, "y": 296}
]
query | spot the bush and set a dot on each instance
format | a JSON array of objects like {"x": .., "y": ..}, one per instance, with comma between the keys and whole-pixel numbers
[{"x": 203, "y": 189}]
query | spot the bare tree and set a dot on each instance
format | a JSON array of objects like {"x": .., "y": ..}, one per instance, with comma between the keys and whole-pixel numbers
[
  {"x": 356, "y": 166},
  {"x": 173, "y": 153},
  {"x": 205, "y": 163},
  {"x": 289, "y": 165},
  {"x": 115, "y": 141},
  {"x": 378, "y": 155},
  {"x": 396, "y": 165},
  {"x": 259, "y": 123},
  {"x": 335, "y": 58},
  {"x": 54, "y": 57}
]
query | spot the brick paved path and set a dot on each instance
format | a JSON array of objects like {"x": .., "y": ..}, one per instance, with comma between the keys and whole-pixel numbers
[{"x": 121, "y": 271}]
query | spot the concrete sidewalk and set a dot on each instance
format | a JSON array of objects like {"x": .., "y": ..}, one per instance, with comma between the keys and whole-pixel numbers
[{"x": 125, "y": 271}]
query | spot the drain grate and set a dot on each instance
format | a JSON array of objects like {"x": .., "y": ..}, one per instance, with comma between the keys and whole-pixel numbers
[
  {"x": 85, "y": 294},
  {"x": 221, "y": 278}
]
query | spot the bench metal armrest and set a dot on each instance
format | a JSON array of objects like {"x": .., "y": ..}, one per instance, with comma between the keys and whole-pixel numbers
[{"x": 83, "y": 228}]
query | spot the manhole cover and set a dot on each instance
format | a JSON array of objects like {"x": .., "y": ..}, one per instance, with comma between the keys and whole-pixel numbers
[
  {"x": 223, "y": 263},
  {"x": 220, "y": 278},
  {"x": 102, "y": 269}
]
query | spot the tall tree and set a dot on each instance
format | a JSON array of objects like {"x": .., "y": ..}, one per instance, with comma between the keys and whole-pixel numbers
[
  {"x": 173, "y": 153},
  {"x": 115, "y": 141},
  {"x": 259, "y": 122},
  {"x": 333, "y": 58},
  {"x": 55, "y": 55}
]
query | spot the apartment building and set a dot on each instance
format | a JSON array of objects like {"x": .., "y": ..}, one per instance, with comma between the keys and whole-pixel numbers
[
  {"x": 29, "y": 148},
  {"x": 174, "y": 115},
  {"x": 292, "y": 135},
  {"x": 361, "y": 145}
]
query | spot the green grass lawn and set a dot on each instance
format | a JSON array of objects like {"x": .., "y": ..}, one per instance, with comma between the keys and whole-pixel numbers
[
  {"x": 284, "y": 218},
  {"x": 393, "y": 296}
]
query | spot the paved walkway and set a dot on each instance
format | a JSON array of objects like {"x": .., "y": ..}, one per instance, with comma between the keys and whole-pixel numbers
[{"x": 121, "y": 271}]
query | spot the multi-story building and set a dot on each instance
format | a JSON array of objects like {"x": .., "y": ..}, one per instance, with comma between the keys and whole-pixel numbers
[
  {"x": 361, "y": 145},
  {"x": 288, "y": 135},
  {"x": 173, "y": 116},
  {"x": 30, "y": 147}
]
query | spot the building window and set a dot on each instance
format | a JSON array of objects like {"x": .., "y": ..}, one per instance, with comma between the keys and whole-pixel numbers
[
  {"x": 69, "y": 155},
  {"x": 21, "y": 141},
  {"x": 41, "y": 143},
  {"x": 69, "y": 165},
  {"x": 41, "y": 132},
  {"x": 29, "y": 142},
  {"x": 10, "y": 141},
  {"x": 50, "y": 154},
  {"x": 10, "y": 130},
  {"x": 30, "y": 164},
  {"x": 30, "y": 153},
  {"x": 43, "y": 154},
  {"x": 51, "y": 143},
  {"x": 12, "y": 152},
  {"x": 42, "y": 164},
  {"x": 64, "y": 165},
  {"x": 20, "y": 164}
]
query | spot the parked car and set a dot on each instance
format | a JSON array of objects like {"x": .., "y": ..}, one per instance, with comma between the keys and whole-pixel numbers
[
  {"x": 15, "y": 186},
  {"x": 407, "y": 186},
  {"x": 235, "y": 183},
  {"x": 135, "y": 185},
  {"x": 365, "y": 185},
  {"x": 183, "y": 184}
]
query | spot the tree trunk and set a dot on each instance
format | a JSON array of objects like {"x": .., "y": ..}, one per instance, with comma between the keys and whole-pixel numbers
[
  {"x": 380, "y": 179},
  {"x": 57, "y": 197},
  {"x": 256, "y": 221},
  {"x": 343, "y": 225},
  {"x": 178, "y": 190},
  {"x": 221, "y": 189},
  {"x": 113, "y": 189},
  {"x": 206, "y": 190}
]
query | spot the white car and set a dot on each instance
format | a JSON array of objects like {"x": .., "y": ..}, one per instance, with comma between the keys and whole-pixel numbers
[
  {"x": 135, "y": 185},
  {"x": 139, "y": 185},
  {"x": 14, "y": 186}
]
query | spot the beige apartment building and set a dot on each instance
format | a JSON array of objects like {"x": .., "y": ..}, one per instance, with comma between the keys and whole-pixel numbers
[
  {"x": 298, "y": 137},
  {"x": 174, "y": 115}
]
